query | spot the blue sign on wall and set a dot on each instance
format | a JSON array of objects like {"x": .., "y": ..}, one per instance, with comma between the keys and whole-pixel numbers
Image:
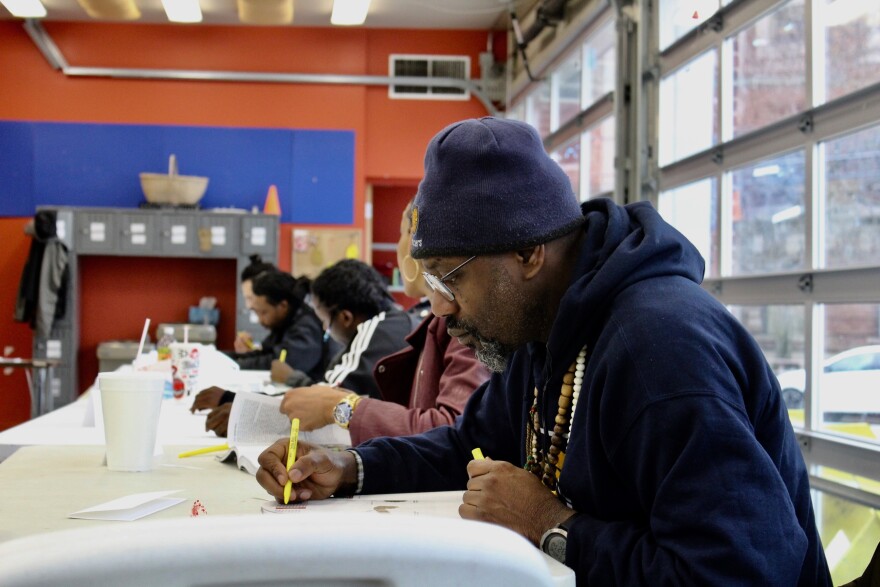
[{"x": 70, "y": 164}]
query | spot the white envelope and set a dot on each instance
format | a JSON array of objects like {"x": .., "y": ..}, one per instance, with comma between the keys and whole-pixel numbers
[{"x": 130, "y": 507}]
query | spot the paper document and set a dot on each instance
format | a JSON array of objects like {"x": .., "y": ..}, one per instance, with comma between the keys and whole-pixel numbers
[
  {"x": 130, "y": 507},
  {"x": 248, "y": 381},
  {"x": 256, "y": 421},
  {"x": 438, "y": 504}
]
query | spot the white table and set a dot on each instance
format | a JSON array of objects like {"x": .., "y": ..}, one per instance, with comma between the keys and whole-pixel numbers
[
  {"x": 74, "y": 424},
  {"x": 41, "y": 485},
  {"x": 58, "y": 469}
]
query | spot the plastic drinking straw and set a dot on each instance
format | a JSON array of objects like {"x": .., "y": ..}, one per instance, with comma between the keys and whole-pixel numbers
[{"x": 143, "y": 338}]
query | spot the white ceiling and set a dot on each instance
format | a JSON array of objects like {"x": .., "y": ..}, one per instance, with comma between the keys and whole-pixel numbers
[{"x": 392, "y": 14}]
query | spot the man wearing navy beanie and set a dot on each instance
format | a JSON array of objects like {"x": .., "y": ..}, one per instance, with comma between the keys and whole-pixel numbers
[
  {"x": 634, "y": 429},
  {"x": 489, "y": 187}
]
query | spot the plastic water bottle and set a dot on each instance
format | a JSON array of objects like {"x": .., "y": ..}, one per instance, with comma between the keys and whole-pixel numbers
[
  {"x": 163, "y": 353},
  {"x": 163, "y": 345}
]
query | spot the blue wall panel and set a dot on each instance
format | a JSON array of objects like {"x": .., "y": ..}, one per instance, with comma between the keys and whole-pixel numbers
[
  {"x": 318, "y": 178},
  {"x": 16, "y": 169},
  {"x": 89, "y": 165},
  {"x": 98, "y": 165}
]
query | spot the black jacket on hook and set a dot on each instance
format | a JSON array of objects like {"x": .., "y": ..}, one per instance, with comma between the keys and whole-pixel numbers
[{"x": 42, "y": 291}]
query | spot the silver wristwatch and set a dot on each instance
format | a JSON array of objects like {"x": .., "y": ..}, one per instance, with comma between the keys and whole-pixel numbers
[
  {"x": 344, "y": 410},
  {"x": 555, "y": 540}
]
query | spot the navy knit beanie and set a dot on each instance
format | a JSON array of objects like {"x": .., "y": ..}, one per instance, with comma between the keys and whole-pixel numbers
[{"x": 489, "y": 187}]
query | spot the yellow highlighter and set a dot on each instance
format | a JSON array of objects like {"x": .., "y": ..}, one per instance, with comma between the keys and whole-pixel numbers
[
  {"x": 283, "y": 356},
  {"x": 478, "y": 454},
  {"x": 246, "y": 337},
  {"x": 291, "y": 454},
  {"x": 202, "y": 451}
]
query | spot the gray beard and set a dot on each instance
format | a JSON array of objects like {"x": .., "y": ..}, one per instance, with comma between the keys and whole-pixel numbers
[
  {"x": 493, "y": 355},
  {"x": 490, "y": 352}
]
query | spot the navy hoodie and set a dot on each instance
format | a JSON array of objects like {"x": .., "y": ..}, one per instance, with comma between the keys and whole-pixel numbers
[{"x": 681, "y": 459}]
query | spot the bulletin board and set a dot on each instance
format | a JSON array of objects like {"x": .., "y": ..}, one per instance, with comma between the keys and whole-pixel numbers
[{"x": 315, "y": 249}]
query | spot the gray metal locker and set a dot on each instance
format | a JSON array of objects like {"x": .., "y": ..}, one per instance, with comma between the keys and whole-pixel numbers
[
  {"x": 218, "y": 235},
  {"x": 96, "y": 232},
  {"x": 65, "y": 227},
  {"x": 177, "y": 234},
  {"x": 110, "y": 231},
  {"x": 259, "y": 235},
  {"x": 137, "y": 233}
]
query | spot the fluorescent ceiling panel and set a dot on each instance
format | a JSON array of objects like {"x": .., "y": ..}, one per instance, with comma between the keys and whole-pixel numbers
[
  {"x": 349, "y": 12},
  {"x": 182, "y": 10},
  {"x": 25, "y": 8}
]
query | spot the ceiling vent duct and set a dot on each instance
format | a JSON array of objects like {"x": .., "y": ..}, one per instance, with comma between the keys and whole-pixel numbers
[{"x": 429, "y": 66}]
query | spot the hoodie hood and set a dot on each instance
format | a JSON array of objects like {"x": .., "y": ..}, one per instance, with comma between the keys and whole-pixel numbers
[{"x": 623, "y": 245}]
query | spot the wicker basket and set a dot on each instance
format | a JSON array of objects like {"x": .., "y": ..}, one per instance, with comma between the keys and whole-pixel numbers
[{"x": 172, "y": 188}]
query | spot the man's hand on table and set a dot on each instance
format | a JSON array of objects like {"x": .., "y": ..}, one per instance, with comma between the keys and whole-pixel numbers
[
  {"x": 507, "y": 495},
  {"x": 243, "y": 343},
  {"x": 316, "y": 474},
  {"x": 207, "y": 399},
  {"x": 218, "y": 420},
  {"x": 280, "y": 371}
]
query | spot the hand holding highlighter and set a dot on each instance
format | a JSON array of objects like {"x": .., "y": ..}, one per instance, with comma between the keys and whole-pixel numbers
[{"x": 291, "y": 455}]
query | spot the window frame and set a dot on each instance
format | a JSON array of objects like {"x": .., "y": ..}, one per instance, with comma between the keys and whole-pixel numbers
[{"x": 808, "y": 130}]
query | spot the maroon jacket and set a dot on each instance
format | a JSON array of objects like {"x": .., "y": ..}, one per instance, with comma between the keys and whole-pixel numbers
[{"x": 423, "y": 386}]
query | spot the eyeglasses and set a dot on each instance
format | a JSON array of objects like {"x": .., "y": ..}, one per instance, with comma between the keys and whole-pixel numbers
[
  {"x": 436, "y": 283},
  {"x": 333, "y": 313}
]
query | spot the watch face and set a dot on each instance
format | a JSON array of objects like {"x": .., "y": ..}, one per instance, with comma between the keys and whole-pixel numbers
[
  {"x": 556, "y": 544},
  {"x": 342, "y": 413}
]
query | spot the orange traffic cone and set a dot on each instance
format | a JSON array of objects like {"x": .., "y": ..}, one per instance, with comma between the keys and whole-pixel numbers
[{"x": 272, "y": 205}]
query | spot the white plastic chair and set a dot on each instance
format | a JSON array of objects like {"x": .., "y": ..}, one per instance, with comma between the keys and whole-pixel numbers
[{"x": 272, "y": 550}]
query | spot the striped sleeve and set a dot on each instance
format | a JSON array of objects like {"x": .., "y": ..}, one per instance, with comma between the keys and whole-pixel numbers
[{"x": 351, "y": 360}]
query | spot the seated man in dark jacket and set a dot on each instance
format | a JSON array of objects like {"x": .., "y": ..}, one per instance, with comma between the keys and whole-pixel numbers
[
  {"x": 243, "y": 340},
  {"x": 634, "y": 429},
  {"x": 293, "y": 326},
  {"x": 352, "y": 301}
]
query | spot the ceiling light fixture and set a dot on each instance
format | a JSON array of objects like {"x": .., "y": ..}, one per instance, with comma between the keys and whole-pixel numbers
[
  {"x": 25, "y": 8},
  {"x": 268, "y": 12},
  {"x": 111, "y": 9},
  {"x": 349, "y": 12},
  {"x": 182, "y": 10}
]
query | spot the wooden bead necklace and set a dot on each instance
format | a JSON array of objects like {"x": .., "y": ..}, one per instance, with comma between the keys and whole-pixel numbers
[{"x": 547, "y": 466}]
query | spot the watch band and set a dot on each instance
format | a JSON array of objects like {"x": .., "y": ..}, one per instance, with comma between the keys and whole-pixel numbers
[{"x": 554, "y": 541}]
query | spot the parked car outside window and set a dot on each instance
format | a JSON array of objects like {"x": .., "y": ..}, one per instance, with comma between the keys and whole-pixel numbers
[{"x": 849, "y": 383}]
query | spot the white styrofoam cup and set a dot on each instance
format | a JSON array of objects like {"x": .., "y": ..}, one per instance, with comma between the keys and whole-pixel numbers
[{"x": 131, "y": 402}]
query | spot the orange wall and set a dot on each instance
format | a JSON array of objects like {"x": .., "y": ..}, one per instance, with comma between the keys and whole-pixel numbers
[
  {"x": 15, "y": 338},
  {"x": 398, "y": 130},
  {"x": 390, "y": 135},
  {"x": 119, "y": 292}
]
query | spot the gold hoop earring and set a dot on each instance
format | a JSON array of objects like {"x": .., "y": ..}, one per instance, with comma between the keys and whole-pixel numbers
[{"x": 406, "y": 274}]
